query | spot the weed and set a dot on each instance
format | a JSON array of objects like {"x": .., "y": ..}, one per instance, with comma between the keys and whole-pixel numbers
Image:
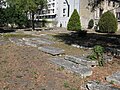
[
  {"x": 66, "y": 85},
  {"x": 61, "y": 68},
  {"x": 112, "y": 82}
]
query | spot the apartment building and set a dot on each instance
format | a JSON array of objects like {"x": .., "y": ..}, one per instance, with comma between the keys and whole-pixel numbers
[
  {"x": 58, "y": 11},
  {"x": 86, "y": 14}
]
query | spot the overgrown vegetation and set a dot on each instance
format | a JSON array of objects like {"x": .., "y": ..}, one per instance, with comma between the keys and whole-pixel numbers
[
  {"x": 108, "y": 23},
  {"x": 91, "y": 24},
  {"x": 97, "y": 54},
  {"x": 74, "y": 22}
]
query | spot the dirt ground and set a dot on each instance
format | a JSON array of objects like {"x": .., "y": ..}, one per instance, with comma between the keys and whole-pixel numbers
[{"x": 27, "y": 68}]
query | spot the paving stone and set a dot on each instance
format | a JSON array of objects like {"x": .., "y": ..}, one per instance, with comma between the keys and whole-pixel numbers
[
  {"x": 83, "y": 71},
  {"x": 115, "y": 78},
  {"x": 51, "y": 50},
  {"x": 81, "y": 60},
  {"x": 92, "y": 85}
]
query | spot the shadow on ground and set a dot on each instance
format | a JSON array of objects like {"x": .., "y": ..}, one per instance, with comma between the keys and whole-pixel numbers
[
  {"x": 6, "y": 30},
  {"x": 91, "y": 39}
]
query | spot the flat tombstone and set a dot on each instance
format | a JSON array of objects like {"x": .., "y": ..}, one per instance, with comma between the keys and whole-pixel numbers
[
  {"x": 17, "y": 41},
  {"x": 93, "y": 85},
  {"x": 38, "y": 41},
  {"x": 114, "y": 78},
  {"x": 51, "y": 50},
  {"x": 83, "y": 71},
  {"x": 81, "y": 60}
]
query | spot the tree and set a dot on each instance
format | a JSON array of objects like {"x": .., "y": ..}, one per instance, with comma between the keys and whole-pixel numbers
[
  {"x": 91, "y": 24},
  {"x": 74, "y": 22},
  {"x": 108, "y": 23},
  {"x": 28, "y": 6}
]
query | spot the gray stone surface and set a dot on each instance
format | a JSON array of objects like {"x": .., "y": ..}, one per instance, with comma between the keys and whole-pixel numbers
[
  {"x": 81, "y": 60},
  {"x": 82, "y": 47},
  {"x": 115, "y": 78},
  {"x": 107, "y": 58},
  {"x": 3, "y": 42},
  {"x": 38, "y": 41},
  {"x": 51, "y": 50},
  {"x": 92, "y": 85},
  {"x": 113, "y": 51},
  {"x": 31, "y": 44},
  {"x": 17, "y": 41},
  {"x": 83, "y": 71},
  {"x": 34, "y": 42}
]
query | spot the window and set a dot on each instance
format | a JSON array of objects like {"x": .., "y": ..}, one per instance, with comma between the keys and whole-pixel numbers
[
  {"x": 64, "y": 10},
  {"x": 53, "y": 4},
  {"x": 64, "y": 15},
  {"x": 113, "y": 4},
  {"x": 64, "y": 2},
  {"x": 108, "y": 2},
  {"x": 53, "y": 10}
]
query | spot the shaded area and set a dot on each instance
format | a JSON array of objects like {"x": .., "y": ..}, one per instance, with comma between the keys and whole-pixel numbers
[
  {"x": 6, "y": 30},
  {"x": 91, "y": 39}
]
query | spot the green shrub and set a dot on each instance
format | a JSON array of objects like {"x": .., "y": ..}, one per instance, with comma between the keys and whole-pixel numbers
[
  {"x": 74, "y": 22},
  {"x": 108, "y": 23},
  {"x": 91, "y": 24},
  {"x": 99, "y": 51},
  {"x": 97, "y": 54}
]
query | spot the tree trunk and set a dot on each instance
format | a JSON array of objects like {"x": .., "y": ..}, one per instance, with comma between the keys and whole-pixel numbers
[{"x": 33, "y": 25}]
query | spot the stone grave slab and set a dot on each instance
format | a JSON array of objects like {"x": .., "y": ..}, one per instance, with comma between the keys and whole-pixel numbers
[
  {"x": 51, "y": 50},
  {"x": 113, "y": 51},
  {"x": 81, "y": 60},
  {"x": 38, "y": 41},
  {"x": 115, "y": 78},
  {"x": 83, "y": 71},
  {"x": 31, "y": 44},
  {"x": 17, "y": 41},
  {"x": 92, "y": 85},
  {"x": 3, "y": 42}
]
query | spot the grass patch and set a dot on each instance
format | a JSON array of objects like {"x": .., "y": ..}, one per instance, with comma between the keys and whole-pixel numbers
[
  {"x": 8, "y": 35},
  {"x": 66, "y": 85}
]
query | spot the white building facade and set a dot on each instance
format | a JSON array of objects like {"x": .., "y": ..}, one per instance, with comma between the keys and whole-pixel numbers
[{"x": 59, "y": 11}]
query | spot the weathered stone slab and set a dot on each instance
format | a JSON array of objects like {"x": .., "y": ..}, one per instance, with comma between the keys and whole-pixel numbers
[
  {"x": 81, "y": 60},
  {"x": 17, "y": 41},
  {"x": 3, "y": 42},
  {"x": 83, "y": 71},
  {"x": 92, "y": 85},
  {"x": 115, "y": 78},
  {"x": 82, "y": 47},
  {"x": 107, "y": 58},
  {"x": 113, "y": 51},
  {"x": 51, "y": 50},
  {"x": 38, "y": 41},
  {"x": 31, "y": 44}
]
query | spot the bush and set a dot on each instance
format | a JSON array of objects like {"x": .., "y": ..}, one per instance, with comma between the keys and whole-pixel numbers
[
  {"x": 97, "y": 54},
  {"x": 74, "y": 22},
  {"x": 91, "y": 24},
  {"x": 108, "y": 23}
]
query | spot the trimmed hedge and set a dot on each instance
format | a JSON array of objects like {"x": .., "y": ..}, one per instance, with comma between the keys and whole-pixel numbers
[
  {"x": 108, "y": 23},
  {"x": 91, "y": 24},
  {"x": 74, "y": 22}
]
